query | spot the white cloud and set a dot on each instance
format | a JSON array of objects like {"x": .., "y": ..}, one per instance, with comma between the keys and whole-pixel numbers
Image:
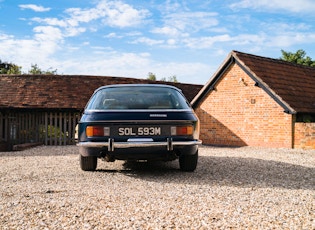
[
  {"x": 193, "y": 21},
  {"x": 280, "y": 28},
  {"x": 111, "y": 13},
  {"x": 112, "y": 35},
  {"x": 49, "y": 36},
  {"x": 133, "y": 34},
  {"x": 33, "y": 7},
  {"x": 117, "y": 13},
  {"x": 5, "y": 37},
  {"x": 50, "y": 21},
  {"x": 227, "y": 40},
  {"x": 169, "y": 31},
  {"x": 300, "y": 6},
  {"x": 290, "y": 39},
  {"x": 171, "y": 6},
  {"x": 147, "y": 41},
  {"x": 171, "y": 42},
  {"x": 107, "y": 64},
  {"x": 185, "y": 23},
  {"x": 25, "y": 52},
  {"x": 78, "y": 15},
  {"x": 44, "y": 33},
  {"x": 249, "y": 39},
  {"x": 135, "y": 66},
  {"x": 183, "y": 71},
  {"x": 206, "y": 42}
]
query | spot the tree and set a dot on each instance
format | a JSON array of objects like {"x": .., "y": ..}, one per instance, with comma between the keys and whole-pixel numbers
[
  {"x": 151, "y": 76},
  {"x": 299, "y": 57},
  {"x": 9, "y": 68},
  {"x": 35, "y": 70},
  {"x": 172, "y": 78},
  {"x": 14, "y": 69}
]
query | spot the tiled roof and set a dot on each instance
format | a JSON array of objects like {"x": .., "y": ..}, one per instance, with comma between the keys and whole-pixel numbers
[
  {"x": 291, "y": 85},
  {"x": 64, "y": 91}
]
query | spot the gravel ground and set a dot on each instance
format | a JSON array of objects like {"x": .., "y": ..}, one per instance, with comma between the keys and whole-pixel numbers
[{"x": 232, "y": 188}]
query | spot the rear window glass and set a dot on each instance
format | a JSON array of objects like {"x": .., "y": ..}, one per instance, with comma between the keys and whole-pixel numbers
[{"x": 140, "y": 97}]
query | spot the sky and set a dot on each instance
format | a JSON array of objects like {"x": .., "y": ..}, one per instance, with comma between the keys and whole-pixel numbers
[{"x": 188, "y": 39}]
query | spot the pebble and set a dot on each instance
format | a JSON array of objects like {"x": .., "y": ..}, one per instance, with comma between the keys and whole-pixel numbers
[{"x": 232, "y": 188}]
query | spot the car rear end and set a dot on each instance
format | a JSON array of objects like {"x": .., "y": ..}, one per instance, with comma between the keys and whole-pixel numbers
[{"x": 138, "y": 122}]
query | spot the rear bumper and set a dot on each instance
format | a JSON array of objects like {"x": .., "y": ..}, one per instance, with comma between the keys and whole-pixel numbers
[{"x": 111, "y": 145}]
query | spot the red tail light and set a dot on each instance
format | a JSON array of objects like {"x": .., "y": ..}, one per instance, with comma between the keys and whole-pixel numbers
[
  {"x": 182, "y": 130},
  {"x": 97, "y": 131}
]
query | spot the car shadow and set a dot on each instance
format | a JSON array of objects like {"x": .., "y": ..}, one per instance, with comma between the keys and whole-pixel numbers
[{"x": 226, "y": 171}]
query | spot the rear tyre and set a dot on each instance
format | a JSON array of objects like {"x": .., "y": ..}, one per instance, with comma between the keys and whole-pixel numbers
[
  {"x": 88, "y": 163},
  {"x": 188, "y": 163}
]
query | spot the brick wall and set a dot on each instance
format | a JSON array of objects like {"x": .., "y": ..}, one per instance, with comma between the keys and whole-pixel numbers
[
  {"x": 304, "y": 136},
  {"x": 237, "y": 113}
]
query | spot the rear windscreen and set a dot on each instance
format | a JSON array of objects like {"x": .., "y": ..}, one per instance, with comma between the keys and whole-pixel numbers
[{"x": 140, "y": 97}]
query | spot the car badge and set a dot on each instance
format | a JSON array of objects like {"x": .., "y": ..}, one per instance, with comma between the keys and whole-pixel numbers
[{"x": 158, "y": 115}]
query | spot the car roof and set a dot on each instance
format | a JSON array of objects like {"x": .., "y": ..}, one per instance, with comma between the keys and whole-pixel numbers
[{"x": 138, "y": 85}]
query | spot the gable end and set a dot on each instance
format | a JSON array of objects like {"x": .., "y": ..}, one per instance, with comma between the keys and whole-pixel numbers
[
  {"x": 231, "y": 59},
  {"x": 263, "y": 86}
]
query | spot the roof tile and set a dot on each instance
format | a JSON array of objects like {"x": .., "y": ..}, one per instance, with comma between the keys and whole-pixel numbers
[{"x": 64, "y": 91}]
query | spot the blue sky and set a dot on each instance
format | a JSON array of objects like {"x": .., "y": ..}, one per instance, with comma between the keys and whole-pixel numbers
[{"x": 128, "y": 38}]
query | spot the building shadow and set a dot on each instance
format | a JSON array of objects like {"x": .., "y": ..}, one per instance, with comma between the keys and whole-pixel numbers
[
  {"x": 214, "y": 132},
  {"x": 227, "y": 171}
]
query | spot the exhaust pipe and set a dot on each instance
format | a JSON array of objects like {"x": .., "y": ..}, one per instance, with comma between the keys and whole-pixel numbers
[{"x": 109, "y": 158}]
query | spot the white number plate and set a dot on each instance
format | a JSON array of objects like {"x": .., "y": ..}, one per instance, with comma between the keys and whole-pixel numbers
[{"x": 139, "y": 131}]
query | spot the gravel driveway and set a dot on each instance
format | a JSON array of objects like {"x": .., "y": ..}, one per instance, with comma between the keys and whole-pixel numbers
[{"x": 232, "y": 188}]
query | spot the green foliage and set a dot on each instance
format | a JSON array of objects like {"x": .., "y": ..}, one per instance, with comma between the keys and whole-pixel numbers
[
  {"x": 14, "y": 69},
  {"x": 55, "y": 132},
  {"x": 9, "y": 68},
  {"x": 152, "y": 77},
  {"x": 169, "y": 79},
  {"x": 173, "y": 78},
  {"x": 52, "y": 132},
  {"x": 35, "y": 70},
  {"x": 299, "y": 57}
]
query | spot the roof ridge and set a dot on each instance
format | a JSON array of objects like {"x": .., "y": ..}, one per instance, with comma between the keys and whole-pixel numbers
[
  {"x": 273, "y": 60},
  {"x": 119, "y": 78}
]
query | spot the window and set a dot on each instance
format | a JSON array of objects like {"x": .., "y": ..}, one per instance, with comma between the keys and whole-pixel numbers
[{"x": 137, "y": 97}]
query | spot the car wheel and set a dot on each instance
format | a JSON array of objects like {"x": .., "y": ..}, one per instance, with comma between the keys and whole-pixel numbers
[
  {"x": 88, "y": 163},
  {"x": 188, "y": 163}
]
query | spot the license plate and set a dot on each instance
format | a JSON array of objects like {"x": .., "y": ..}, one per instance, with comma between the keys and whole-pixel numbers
[{"x": 139, "y": 131}]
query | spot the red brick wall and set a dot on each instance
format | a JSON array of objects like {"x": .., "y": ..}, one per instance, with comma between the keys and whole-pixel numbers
[
  {"x": 237, "y": 113},
  {"x": 304, "y": 136}
]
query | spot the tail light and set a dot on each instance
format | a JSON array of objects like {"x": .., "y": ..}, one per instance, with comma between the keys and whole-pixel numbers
[
  {"x": 97, "y": 131},
  {"x": 182, "y": 130}
]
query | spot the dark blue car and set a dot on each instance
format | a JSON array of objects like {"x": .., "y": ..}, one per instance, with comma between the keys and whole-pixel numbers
[{"x": 138, "y": 122}]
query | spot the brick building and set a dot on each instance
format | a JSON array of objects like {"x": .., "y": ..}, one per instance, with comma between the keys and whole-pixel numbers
[
  {"x": 258, "y": 101},
  {"x": 46, "y": 108}
]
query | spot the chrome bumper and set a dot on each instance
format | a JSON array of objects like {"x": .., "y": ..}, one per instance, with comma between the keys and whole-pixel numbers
[{"x": 139, "y": 143}]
